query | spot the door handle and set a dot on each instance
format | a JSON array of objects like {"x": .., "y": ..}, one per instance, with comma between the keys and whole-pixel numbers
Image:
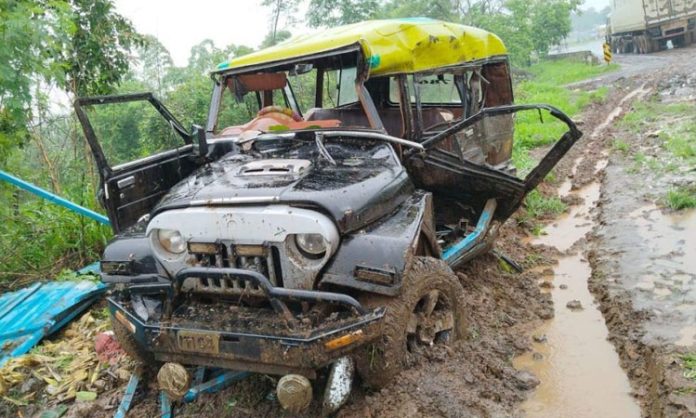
[{"x": 126, "y": 182}]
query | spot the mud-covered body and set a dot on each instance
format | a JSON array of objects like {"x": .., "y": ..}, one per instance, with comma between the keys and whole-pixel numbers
[{"x": 263, "y": 246}]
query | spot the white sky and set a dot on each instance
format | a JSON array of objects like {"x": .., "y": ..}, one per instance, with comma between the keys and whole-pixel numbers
[
  {"x": 179, "y": 25},
  {"x": 597, "y": 4}
]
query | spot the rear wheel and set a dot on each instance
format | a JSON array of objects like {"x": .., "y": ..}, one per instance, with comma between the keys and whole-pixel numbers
[{"x": 429, "y": 312}]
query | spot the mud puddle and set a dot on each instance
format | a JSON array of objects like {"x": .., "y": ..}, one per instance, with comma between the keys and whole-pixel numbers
[
  {"x": 660, "y": 268},
  {"x": 578, "y": 367},
  {"x": 570, "y": 227}
]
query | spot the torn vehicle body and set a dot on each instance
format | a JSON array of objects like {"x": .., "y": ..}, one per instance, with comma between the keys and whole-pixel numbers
[{"x": 329, "y": 225}]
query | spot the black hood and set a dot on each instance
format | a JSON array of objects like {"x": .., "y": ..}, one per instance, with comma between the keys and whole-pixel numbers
[{"x": 361, "y": 184}]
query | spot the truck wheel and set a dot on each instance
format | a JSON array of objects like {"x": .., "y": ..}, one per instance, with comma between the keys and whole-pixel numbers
[
  {"x": 130, "y": 345},
  {"x": 430, "y": 311}
]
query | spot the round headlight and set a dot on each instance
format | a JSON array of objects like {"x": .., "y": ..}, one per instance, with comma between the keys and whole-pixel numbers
[
  {"x": 311, "y": 244},
  {"x": 171, "y": 240}
]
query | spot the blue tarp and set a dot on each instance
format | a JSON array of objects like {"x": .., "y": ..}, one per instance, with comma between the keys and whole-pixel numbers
[{"x": 30, "y": 314}]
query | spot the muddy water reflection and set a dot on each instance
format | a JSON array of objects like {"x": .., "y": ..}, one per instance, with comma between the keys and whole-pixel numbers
[
  {"x": 572, "y": 226},
  {"x": 578, "y": 368}
]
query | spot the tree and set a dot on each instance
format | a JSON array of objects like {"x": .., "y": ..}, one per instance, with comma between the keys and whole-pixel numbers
[
  {"x": 82, "y": 46},
  {"x": 435, "y": 9},
  {"x": 204, "y": 56},
  {"x": 96, "y": 54},
  {"x": 550, "y": 22},
  {"x": 155, "y": 61},
  {"x": 327, "y": 13},
  {"x": 286, "y": 8},
  {"x": 273, "y": 39}
]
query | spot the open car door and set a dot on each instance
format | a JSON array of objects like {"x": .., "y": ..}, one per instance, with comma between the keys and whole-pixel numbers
[
  {"x": 442, "y": 172},
  {"x": 140, "y": 149},
  {"x": 495, "y": 194}
]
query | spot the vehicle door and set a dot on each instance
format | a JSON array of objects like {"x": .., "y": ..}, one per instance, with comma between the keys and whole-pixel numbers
[{"x": 140, "y": 150}]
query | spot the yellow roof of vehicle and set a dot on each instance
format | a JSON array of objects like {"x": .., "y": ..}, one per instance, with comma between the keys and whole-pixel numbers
[{"x": 389, "y": 46}]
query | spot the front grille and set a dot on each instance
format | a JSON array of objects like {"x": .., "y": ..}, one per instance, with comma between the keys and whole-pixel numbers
[{"x": 246, "y": 257}]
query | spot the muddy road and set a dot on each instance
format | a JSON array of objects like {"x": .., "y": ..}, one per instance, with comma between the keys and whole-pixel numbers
[{"x": 626, "y": 257}]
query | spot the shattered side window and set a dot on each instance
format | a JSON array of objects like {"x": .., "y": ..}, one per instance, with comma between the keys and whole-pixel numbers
[
  {"x": 438, "y": 89},
  {"x": 339, "y": 87},
  {"x": 346, "y": 86},
  {"x": 434, "y": 89},
  {"x": 304, "y": 87}
]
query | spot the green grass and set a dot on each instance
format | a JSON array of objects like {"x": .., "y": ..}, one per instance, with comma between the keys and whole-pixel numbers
[
  {"x": 540, "y": 206},
  {"x": 547, "y": 87},
  {"x": 681, "y": 198},
  {"x": 566, "y": 71},
  {"x": 621, "y": 145},
  {"x": 689, "y": 364},
  {"x": 537, "y": 207},
  {"x": 646, "y": 114},
  {"x": 680, "y": 140},
  {"x": 674, "y": 126}
]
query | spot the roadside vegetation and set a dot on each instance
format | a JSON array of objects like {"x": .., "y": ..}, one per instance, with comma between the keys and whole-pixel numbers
[
  {"x": 670, "y": 129},
  {"x": 561, "y": 72},
  {"x": 689, "y": 364},
  {"x": 547, "y": 86},
  {"x": 681, "y": 198}
]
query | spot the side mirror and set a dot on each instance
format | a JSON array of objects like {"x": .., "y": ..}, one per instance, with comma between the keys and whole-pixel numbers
[{"x": 200, "y": 143}]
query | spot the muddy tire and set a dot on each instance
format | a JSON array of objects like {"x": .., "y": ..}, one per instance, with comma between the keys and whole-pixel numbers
[
  {"x": 144, "y": 359},
  {"x": 429, "y": 311}
]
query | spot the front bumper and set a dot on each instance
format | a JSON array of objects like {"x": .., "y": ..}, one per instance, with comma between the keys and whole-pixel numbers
[{"x": 247, "y": 338}]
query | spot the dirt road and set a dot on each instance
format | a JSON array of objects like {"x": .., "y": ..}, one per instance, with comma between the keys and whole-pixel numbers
[{"x": 636, "y": 256}]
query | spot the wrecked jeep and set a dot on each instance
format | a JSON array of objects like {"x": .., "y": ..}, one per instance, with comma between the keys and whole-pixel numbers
[{"x": 325, "y": 228}]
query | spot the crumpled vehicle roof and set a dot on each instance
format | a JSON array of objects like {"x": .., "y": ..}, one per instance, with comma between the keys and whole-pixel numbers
[{"x": 389, "y": 46}]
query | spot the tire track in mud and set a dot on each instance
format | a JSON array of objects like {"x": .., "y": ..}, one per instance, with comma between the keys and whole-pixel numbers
[
  {"x": 654, "y": 369},
  {"x": 650, "y": 355},
  {"x": 571, "y": 354}
]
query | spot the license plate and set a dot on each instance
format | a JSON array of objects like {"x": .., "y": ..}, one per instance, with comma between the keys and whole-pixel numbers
[{"x": 199, "y": 342}]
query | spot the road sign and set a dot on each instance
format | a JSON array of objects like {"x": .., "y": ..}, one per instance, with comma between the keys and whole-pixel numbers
[{"x": 607, "y": 52}]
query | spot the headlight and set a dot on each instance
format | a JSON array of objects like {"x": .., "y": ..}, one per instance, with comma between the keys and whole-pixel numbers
[
  {"x": 312, "y": 244},
  {"x": 171, "y": 240}
]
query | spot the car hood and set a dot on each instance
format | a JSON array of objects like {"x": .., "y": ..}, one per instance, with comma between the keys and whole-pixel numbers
[{"x": 354, "y": 195}]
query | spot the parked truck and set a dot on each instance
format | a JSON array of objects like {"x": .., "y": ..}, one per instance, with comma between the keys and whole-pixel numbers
[{"x": 644, "y": 26}]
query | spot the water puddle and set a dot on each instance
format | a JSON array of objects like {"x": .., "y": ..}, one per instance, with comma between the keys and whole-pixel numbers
[
  {"x": 658, "y": 263},
  {"x": 572, "y": 226},
  {"x": 578, "y": 368},
  {"x": 687, "y": 336}
]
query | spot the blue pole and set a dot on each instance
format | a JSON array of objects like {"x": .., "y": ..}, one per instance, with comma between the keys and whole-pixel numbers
[{"x": 53, "y": 198}]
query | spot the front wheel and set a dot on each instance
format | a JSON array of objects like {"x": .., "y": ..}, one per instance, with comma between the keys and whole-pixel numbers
[{"x": 430, "y": 311}]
